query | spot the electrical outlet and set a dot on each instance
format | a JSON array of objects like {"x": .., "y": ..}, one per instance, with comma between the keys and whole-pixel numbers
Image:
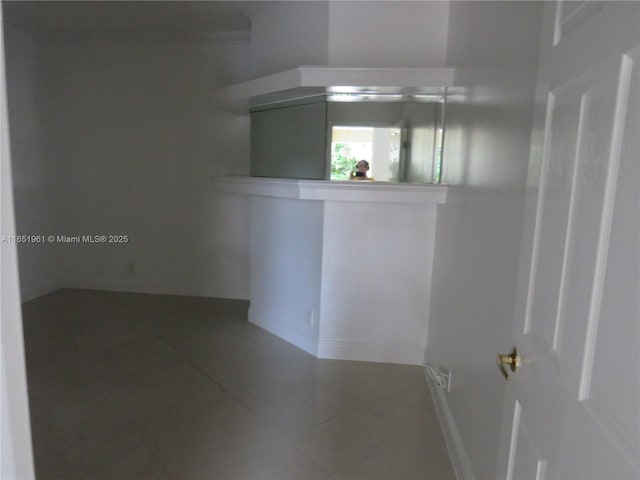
[
  {"x": 447, "y": 380},
  {"x": 441, "y": 377},
  {"x": 311, "y": 318}
]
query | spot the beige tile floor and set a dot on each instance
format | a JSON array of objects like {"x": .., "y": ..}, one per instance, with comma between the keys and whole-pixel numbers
[{"x": 126, "y": 386}]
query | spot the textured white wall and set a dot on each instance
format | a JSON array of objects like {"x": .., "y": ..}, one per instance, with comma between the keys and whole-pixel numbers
[{"x": 478, "y": 235}]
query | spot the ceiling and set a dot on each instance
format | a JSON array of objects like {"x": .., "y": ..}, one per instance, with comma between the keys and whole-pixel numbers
[{"x": 78, "y": 17}]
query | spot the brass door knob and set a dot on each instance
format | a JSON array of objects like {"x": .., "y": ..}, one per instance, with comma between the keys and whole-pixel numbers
[{"x": 512, "y": 360}]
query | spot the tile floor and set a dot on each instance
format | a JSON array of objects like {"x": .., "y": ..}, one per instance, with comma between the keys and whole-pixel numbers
[{"x": 134, "y": 386}]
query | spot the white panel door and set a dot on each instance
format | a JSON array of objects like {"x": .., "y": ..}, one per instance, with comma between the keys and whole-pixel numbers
[{"x": 573, "y": 407}]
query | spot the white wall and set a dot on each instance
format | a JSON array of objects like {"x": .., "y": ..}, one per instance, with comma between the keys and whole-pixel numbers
[
  {"x": 388, "y": 33},
  {"x": 342, "y": 33},
  {"x": 35, "y": 174},
  {"x": 287, "y": 35},
  {"x": 135, "y": 139},
  {"x": 486, "y": 155},
  {"x": 16, "y": 456}
]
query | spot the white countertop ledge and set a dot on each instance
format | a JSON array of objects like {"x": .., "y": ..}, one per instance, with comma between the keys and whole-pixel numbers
[{"x": 324, "y": 190}]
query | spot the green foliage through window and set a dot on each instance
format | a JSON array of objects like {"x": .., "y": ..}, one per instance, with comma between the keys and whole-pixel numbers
[{"x": 342, "y": 164}]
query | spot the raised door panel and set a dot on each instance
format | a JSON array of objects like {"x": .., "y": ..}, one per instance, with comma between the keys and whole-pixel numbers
[
  {"x": 610, "y": 385},
  {"x": 567, "y": 112}
]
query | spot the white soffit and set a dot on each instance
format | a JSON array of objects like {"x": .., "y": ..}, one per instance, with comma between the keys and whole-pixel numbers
[{"x": 305, "y": 81}]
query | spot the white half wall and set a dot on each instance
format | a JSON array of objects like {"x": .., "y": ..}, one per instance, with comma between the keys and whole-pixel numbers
[
  {"x": 376, "y": 278},
  {"x": 342, "y": 269},
  {"x": 286, "y": 268}
]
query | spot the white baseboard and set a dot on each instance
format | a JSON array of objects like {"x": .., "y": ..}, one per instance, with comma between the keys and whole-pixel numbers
[
  {"x": 370, "y": 352},
  {"x": 295, "y": 336},
  {"x": 31, "y": 290},
  {"x": 147, "y": 286},
  {"x": 365, "y": 352},
  {"x": 457, "y": 452}
]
